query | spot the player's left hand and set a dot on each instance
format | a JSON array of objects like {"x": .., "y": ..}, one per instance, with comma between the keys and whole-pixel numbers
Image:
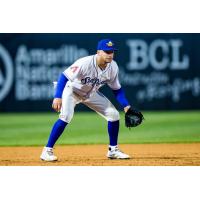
[{"x": 133, "y": 118}]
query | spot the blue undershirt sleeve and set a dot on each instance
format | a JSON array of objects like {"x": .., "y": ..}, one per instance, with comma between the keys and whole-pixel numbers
[
  {"x": 121, "y": 98},
  {"x": 60, "y": 86}
]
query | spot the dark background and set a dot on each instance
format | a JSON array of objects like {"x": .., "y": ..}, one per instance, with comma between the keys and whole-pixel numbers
[{"x": 181, "y": 90}]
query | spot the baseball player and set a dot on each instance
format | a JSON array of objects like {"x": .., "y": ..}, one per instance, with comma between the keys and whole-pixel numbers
[{"x": 80, "y": 83}]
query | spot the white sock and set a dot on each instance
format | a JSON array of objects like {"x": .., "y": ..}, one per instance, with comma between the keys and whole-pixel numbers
[{"x": 112, "y": 147}]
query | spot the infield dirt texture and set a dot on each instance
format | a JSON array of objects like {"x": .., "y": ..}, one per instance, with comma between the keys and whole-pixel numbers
[
  {"x": 164, "y": 139},
  {"x": 94, "y": 155}
]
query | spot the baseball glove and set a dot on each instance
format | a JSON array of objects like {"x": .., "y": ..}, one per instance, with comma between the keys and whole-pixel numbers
[{"x": 133, "y": 118}]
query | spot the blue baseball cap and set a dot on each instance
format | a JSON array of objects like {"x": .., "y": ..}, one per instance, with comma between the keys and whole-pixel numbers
[{"x": 106, "y": 45}]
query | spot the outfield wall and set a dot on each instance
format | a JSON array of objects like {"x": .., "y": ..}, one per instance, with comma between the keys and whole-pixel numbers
[{"x": 157, "y": 71}]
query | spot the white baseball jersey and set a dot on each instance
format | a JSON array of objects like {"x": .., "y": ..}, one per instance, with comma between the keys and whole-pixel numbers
[
  {"x": 86, "y": 77},
  {"x": 84, "y": 80}
]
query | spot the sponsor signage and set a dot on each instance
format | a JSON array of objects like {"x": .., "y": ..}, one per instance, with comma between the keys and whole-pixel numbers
[{"x": 157, "y": 71}]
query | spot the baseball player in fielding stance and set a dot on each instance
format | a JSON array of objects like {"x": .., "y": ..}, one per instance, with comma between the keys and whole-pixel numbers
[{"x": 80, "y": 83}]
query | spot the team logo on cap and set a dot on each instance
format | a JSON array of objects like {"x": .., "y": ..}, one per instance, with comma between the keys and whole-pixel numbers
[{"x": 110, "y": 44}]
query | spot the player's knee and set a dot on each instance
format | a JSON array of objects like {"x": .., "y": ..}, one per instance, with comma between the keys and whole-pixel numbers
[
  {"x": 66, "y": 118},
  {"x": 113, "y": 114}
]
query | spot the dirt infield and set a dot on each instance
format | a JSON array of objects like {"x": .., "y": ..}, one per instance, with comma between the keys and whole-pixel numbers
[{"x": 94, "y": 155}]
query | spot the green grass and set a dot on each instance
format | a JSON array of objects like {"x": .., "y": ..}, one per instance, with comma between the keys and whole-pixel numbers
[{"x": 25, "y": 129}]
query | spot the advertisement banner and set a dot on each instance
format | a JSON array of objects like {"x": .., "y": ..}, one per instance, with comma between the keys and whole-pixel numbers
[{"x": 157, "y": 71}]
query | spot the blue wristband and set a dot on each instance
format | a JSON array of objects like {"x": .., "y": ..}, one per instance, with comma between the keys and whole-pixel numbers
[
  {"x": 60, "y": 86},
  {"x": 120, "y": 96}
]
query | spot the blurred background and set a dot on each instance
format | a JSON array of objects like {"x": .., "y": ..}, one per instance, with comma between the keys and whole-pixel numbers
[{"x": 159, "y": 72}]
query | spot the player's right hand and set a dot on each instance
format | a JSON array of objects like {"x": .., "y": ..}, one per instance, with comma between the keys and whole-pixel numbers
[{"x": 57, "y": 104}]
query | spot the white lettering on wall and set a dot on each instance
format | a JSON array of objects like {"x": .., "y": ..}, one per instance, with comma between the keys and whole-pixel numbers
[
  {"x": 138, "y": 54},
  {"x": 157, "y": 85},
  {"x": 173, "y": 90},
  {"x": 159, "y": 65},
  {"x": 36, "y": 69},
  {"x": 176, "y": 58},
  {"x": 143, "y": 55}
]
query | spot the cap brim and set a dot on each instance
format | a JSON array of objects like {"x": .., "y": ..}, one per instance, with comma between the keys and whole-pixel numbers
[{"x": 109, "y": 49}]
